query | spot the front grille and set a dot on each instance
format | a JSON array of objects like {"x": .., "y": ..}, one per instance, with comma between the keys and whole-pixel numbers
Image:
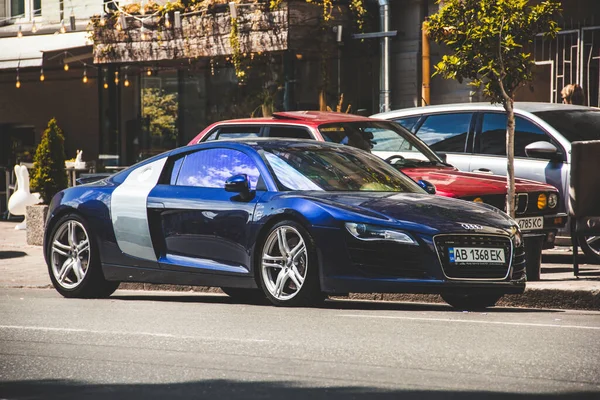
[
  {"x": 381, "y": 259},
  {"x": 525, "y": 203},
  {"x": 518, "y": 267},
  {"x": 476, "y": 271}
]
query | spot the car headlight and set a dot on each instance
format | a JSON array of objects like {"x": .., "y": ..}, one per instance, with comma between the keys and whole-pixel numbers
[
  {"x": 542, "y": 201},
  {"x": 371, "y": 232},
  {"x": 552, "y": 200}
]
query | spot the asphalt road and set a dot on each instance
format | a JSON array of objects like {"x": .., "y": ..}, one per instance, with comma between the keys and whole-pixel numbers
[{"x": 168, "y": 345}]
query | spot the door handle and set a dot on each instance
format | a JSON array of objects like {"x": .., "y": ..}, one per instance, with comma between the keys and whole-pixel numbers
[{"x": 483, "y": 171}]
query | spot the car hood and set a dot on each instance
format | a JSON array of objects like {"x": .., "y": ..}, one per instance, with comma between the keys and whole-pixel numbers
[
  {"x": 452, "y": 183},
  {"x": 417, "y": 212}
]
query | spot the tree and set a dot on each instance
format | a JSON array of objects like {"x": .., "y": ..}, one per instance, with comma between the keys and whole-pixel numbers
[
  {"x": 488, "y": 41},
  {"x": 49, "y": 174}
]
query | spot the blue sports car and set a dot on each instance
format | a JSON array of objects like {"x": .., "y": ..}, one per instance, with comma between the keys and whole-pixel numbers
[{"x": 292, "y": 221}]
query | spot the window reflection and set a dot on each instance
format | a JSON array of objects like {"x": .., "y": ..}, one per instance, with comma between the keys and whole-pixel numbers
[
  {"x": 211, "y": 168},
  {"x": 335, "y": 170}
]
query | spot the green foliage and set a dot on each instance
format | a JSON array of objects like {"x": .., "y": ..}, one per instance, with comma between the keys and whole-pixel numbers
[
  {"x": 49, "y": 175},
  {"x": 488, "y": 41},
  {"x": 161, "y": 110}
]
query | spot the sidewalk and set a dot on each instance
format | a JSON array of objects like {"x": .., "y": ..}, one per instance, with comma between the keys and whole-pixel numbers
[{"x": 22, "y": 265}]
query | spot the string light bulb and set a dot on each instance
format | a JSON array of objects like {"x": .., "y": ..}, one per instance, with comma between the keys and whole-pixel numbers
[
  {"x": 104, "y": 83},
  {"x": 42, "y": 77},
  {"x": 18, "y": 82},
  {"x": 33, "y": 27},
  {"x": 143, "y": 35},
  {"x": 66, "y": 67},
  {"x": 167, "y": 21},
  {"x": 20, "y": 32},
  {"x": 116, "y": 77},
  {"x": 85, "y": 78},
  {"x": 149, "y": 71},
  {"x": 102, "y": 21},
  {"x": 126, "y": 81},
  {"x": 62, "y": 29}
]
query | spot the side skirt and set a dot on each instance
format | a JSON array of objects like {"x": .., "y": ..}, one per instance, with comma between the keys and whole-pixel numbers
[{"x": 132, "y": 274}]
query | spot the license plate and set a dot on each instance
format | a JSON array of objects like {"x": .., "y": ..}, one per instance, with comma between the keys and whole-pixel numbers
[
  {"x": 476, "y": 255},
  {"x": 531, "y": 223}
]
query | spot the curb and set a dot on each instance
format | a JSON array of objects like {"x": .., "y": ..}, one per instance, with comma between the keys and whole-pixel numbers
[{"x": 531, "y": 298}]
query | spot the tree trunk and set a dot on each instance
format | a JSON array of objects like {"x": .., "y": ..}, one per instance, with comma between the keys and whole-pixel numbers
[{"x": 510, "y": 158}]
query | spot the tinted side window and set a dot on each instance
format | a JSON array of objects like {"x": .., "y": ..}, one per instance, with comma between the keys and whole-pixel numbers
[
  {"x": 238, "y": 132},
  {"x": 408, "y": 122},
  {"x": 290, "y": 132},
  {"x": 210, "y": 168},
  {"x": 493, "y": 135},
  {"x": 446, "y": 132}
]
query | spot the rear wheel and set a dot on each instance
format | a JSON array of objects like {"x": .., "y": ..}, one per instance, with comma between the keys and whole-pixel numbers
[
  {"x": 591, "y": 247},
  {"x": 243, "y": 295},
  {"x": 471, "y": 301},
  {"x": 73, "y": 260},
  {"x": 288, "y": 270}
]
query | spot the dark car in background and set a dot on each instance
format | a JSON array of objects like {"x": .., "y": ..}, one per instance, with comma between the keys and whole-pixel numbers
[
  {"x": 536, "y": 203},
  {"x": 471, "y": 137}
]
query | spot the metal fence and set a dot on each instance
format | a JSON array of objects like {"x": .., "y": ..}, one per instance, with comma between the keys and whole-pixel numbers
[{"x": 573, "y": 56}]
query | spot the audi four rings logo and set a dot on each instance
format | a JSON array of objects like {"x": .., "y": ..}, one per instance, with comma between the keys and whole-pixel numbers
[{"x": 472, "y": 227}]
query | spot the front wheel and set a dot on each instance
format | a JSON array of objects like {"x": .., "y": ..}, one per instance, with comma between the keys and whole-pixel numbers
[
  {"x": 288, "y": 268},
  {"x": 471, "y": 301},
  {"x": 591, "y": 247},
  {"x": 73, "y": 260}
]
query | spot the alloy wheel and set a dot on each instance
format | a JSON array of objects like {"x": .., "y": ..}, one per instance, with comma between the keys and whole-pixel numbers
[
  {"x": 70, "y": 254},
  {"x": 284, "y": 263}
]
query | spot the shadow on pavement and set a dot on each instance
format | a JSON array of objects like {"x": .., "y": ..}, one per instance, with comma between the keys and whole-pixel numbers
[
  {"x": 333, "y": 304},
  {"x": 566, "y": 258},
  {"x": 229, "y": 389},
  {"x": 11, "y": 254}
]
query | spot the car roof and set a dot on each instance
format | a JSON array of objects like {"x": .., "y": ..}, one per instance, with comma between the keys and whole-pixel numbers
[
  {"x": 265, "y": 143},
  {"x": 307, "y": 117},
  {"x": 525, "y": 106}
]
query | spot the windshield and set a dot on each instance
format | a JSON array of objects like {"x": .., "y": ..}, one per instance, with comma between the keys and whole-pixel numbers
[
  {"x": 383, "y": 137},
  {"x": 574, "y": 125},
  {"x": 335, "y": 169}
]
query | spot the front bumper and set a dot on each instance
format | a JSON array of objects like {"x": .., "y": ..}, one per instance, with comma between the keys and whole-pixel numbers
[{"x": 383, "y": 267}]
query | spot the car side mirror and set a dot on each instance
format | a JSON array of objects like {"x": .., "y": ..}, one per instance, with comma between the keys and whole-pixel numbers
[
  {"x": 239, "y": 184},
  {"x": 428, "y": 186},
  {"x": 543, "y": 150},
  {"x": 443, "y": 157}
]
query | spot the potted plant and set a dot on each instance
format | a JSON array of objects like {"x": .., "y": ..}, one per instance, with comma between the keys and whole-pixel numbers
[{"x": 49, "y": 177}]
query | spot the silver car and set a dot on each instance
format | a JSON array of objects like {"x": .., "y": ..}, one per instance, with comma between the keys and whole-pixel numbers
[{"x": 472, "y": 137}]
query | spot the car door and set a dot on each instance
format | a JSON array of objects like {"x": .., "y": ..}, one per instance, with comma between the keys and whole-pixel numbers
[
  {"x": 196, "y": 224},
  {"x": 490, "y": 150},
  {"x": 448, "y": 135}
]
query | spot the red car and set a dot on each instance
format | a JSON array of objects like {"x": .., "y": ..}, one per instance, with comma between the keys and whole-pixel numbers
[{"x": 536, "y": 202}]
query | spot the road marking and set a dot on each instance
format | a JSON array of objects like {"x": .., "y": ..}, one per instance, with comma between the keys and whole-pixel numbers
[
  {"x": 472, "y": 321},
  {"x": 150, "y": 334}
]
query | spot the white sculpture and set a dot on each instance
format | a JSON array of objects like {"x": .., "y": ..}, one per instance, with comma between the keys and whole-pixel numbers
[
  {"x": 22, "y": 197},
  {"x": 79, "y": 163}
]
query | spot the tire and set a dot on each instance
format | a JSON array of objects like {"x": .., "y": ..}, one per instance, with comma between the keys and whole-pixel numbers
[
  {"x": 299, "y": 286},
  {"x": 242, "y": 295},
  {"x": 471, "y": 301},
  {"x": 72, "y": 239},
  {"x": 591, "y": 249},
  {"x": 533, "y": 257}
]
